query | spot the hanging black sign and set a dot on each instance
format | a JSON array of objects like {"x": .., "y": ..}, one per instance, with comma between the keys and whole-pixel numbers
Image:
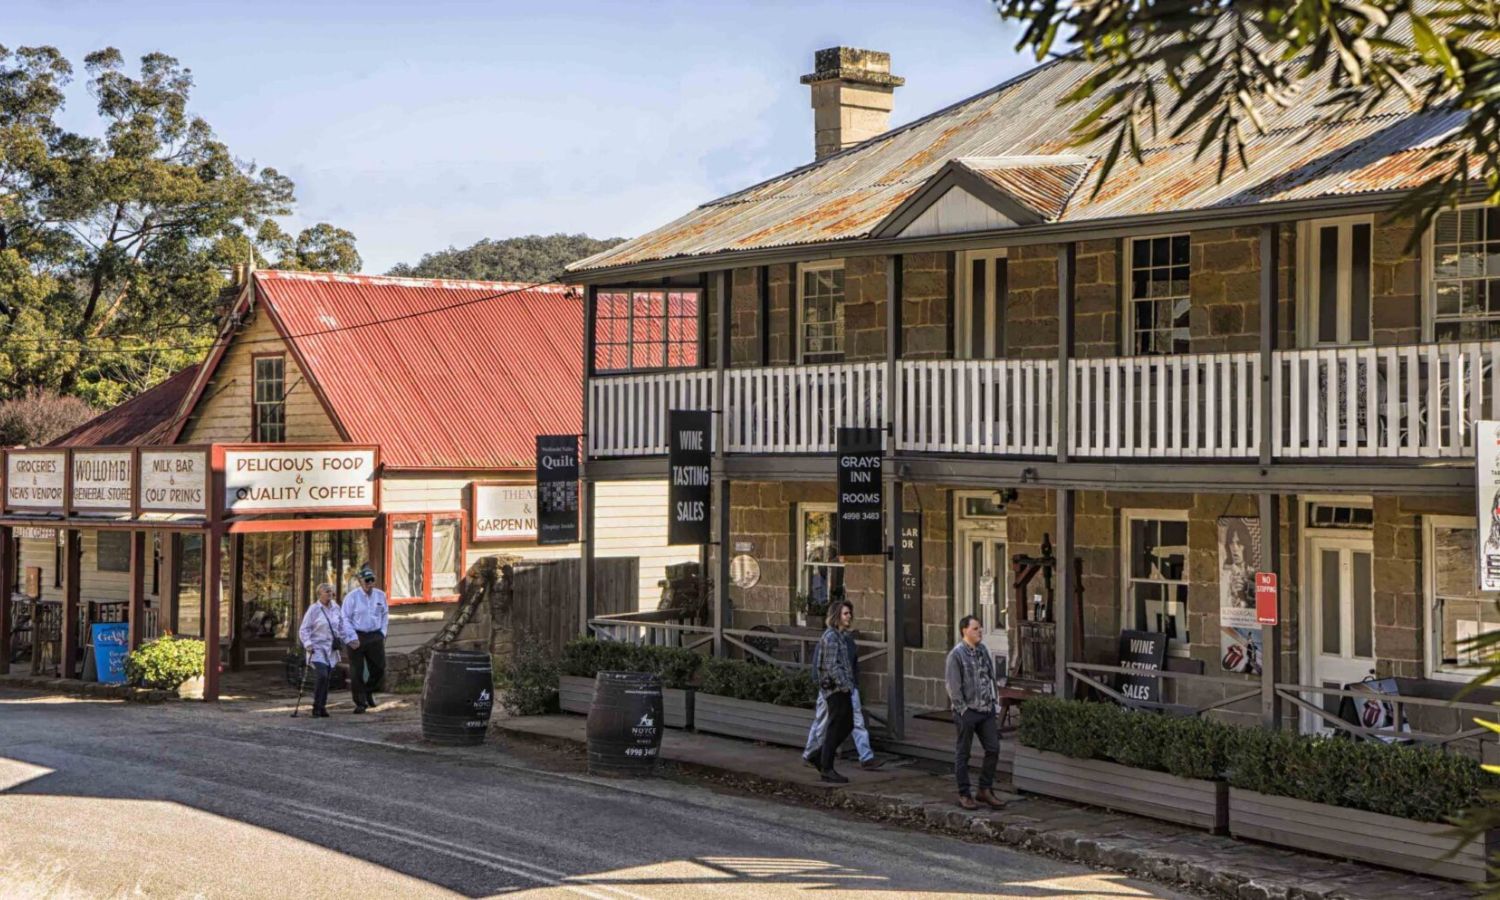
[
  {"x": 1145, "y": 650},
  {"x": 861, "y": 492},
  {"x": 689, "y": 486},
  {"x": 556, "y": 488},
  {"x": 909, "y": 579}
]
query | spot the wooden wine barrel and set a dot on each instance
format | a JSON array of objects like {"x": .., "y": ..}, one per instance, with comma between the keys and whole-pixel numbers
[
  {"x": 457, "y": 696},
  {"x": 624, "y": 729}
]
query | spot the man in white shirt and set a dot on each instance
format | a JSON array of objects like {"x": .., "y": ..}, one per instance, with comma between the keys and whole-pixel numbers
[{"x": 365, "y": 610}]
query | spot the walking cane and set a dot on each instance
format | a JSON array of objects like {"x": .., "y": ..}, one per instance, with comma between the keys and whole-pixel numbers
[{"x": 302, "y": 684}]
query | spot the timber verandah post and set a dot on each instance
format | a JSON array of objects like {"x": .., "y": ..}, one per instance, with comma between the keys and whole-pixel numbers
[
  {"x": 8, "y": 564},
  {"x": 72, "y": 568},
  {"x": 1269, "y": 503},
  {"x": 1062, "y": 602},
  {"x": 585, "y": 485},
  {"x": 723, "y": 281},
  {"x": 894, "y": 496}
]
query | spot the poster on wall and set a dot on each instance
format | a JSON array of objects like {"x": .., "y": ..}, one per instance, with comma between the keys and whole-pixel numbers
[
  {"x": 556, "y": 488},
  {"x": 1487, "y": 484},
  {"x": 689, "y": 487},
  {"x": 911, "y": 579},
  {"x": 861, "y": 492},
  {"x": 1239, "y": 559}
]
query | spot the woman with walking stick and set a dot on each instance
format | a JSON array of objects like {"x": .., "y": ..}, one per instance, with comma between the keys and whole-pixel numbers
[{"x": 323, "y": 634}]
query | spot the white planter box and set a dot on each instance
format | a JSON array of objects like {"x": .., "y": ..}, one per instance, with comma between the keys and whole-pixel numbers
[
  {"x": 1187, "y": 801},
  {"x": 576, "y": 695},
  {"x": 1355, "y": 834},
  {"x": 784, "y": 725}
]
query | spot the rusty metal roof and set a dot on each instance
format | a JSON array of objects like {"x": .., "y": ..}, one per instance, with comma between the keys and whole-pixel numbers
[
  {"x": 1043, "y": 184},
  {"x": 143, "y": 420},
  {"x": 441, "y": 374},
  {"x": 845, "y": 196}
]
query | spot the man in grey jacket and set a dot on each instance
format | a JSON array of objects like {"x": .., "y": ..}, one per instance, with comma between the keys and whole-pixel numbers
[
  {"x": 835, "y": 679},
  {"x": 971, "y": 688}
]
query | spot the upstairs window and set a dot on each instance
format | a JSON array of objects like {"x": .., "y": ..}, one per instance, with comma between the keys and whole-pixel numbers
[
  {"x": 645, "y": 329},
  {"x": 1465, "y": 274},
  {"x": 820, "y": 312},
  {"x": 269, "y": 400},
  {"x": 1336, "y": 281},
  {"x": 1159, "y": 299},
  {"x": 981, "y": 312}
]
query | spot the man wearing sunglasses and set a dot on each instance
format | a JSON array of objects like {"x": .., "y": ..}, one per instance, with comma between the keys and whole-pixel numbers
[{"x": 365, "y": 611}]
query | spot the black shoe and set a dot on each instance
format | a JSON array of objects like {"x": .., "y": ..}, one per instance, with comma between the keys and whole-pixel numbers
[
  {"x": 869, "y": 765},
  {"x": 358, "y": 710},
  {"x": 320, "y": 714},
  {"x": 833, "y": 777},
  {"x": 811, "y": 763},
  {"x": 370, "y": 701}
]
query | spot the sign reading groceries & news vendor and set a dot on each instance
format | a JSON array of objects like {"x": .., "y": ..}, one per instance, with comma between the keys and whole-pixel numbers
[
  {"x": 36, "y": 480},
  {"x": 288, "y": 478}
]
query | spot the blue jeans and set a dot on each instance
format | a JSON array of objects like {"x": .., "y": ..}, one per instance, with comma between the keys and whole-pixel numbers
[{"x": 820, "y": 727}]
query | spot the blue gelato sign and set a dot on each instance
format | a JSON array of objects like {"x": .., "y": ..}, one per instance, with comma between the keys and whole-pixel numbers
[{"x": 111, "y": 643}]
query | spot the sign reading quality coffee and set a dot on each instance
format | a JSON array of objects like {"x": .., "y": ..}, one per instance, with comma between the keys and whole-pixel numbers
[
  {"x": 556, "y": 488},
  {"x": 689, "y": 487},
  {"x": 285, "y": 479}
]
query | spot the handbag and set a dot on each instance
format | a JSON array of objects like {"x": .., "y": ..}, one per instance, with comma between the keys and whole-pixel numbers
[{"x": 338, "y": 645}]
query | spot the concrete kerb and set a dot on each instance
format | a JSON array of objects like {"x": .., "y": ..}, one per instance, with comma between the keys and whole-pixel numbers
[{"x": 92, "y": 689}]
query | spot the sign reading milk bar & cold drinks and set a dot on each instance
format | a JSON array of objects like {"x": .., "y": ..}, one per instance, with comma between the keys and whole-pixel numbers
[
  {"x": 102, "y": 480},
  {"x": 504, "y": 512},
  {"x": 1487, "y": 485},
  {"x": 285, "y": 478},
  {"x": 174, "y": 481},
  {"x": 35, "y": 479}
]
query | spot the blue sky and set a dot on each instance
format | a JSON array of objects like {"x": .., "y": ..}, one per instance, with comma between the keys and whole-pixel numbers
[{"x": 420, "y": 125}]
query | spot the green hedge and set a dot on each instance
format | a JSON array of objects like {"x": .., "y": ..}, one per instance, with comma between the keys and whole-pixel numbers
[
  {"x": 165, "y": 663},
  {"x": 587, "y": 657},
  {"x": 759, "y": 682},
  {"x": 1410, "y": 782}
]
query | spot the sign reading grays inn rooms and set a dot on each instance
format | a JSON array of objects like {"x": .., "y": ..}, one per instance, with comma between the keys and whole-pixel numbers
[
  {"x": 689, "y": 487},
  {"x": 861, "y": 493},
  {"x": 556, "y": 488}
]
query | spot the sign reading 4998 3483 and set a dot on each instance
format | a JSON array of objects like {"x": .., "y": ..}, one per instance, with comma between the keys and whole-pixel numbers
[{"x": 1487, "y": 486}]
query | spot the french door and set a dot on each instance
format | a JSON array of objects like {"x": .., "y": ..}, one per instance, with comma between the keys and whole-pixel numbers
[
  {"x": 984, "y": 585},
  {"x": 1342, "y": 621}
]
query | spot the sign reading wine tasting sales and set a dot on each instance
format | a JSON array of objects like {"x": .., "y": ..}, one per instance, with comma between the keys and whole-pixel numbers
[
  {"x": 174, "y": 481},
  {"x": 35, "y": 479},
  {"x": 286, "y": 478},
  {"x": 102, "y": 480}
]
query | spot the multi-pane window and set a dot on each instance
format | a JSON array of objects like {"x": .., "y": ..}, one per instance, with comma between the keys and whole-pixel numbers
[
  {"x": 820, "y": 327},
  {"x": 409, "y": 559},
  {"x": 1156, "y": 576},
  {"x": 1159, "y": 300},
  {"x": 645, "y": 329},
  {"x": 1466, "y": 274},
  {"x": 820, "y": 573},
  {"x": 1460, "y": 613},
  {"x": 981, "y": 319},
  {"x": 427, "y": 556},
  {"x": 269, "y": 399}
]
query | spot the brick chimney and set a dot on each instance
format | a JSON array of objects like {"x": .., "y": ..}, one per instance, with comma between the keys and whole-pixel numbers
[{"x": 853, "y": 92}]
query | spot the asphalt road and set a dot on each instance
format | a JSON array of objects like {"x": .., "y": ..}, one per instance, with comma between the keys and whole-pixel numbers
[{"x": 103, "y": 799}]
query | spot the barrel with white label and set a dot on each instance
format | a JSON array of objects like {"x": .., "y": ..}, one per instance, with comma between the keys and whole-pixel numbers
[
  {"x": 624, "y": 729},
  {"x": 457, "y": 697}
]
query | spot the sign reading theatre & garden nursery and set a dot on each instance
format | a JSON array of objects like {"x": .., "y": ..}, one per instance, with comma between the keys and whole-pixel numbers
[
  {"x": 35, "y": 480},
  {"x": 174, "y": 481},
  {"x": 1487, "y": 484},
  {"x": 286, "y": 478},
  {"x": 504, "y": 512}
]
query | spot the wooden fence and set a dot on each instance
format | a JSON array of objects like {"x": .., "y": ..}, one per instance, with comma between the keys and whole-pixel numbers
[{"x": 544, "y": 596}]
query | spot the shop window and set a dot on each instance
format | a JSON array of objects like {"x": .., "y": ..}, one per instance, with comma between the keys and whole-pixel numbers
[
  {"x": 1459, "y": 613},
  {"x": 112, "y": 549},
  {"x": 820, "y": 312},
  {"x": 820, "y": 572},
  {"x": 1156, "y": 575},
  {"x": 1464, "y": 274},
  {"x": 269, "y": 399},
  {"x": 646, "y": 329},
  {"x": 190, "y": 585},
  {"x": 427, "y": 556},
  {"x": 1159, "y": 299}
]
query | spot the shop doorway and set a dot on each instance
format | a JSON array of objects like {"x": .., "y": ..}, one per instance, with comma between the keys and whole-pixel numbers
[
  {"x": 279, "y": 574},
  {"x": 1340, "y": 626},
  {"x": 983, "y": 582}
]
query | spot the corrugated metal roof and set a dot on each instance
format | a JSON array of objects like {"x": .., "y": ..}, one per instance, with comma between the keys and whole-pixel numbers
[
  {"x": 143, "y": 420},
  {"x": 1042, "y": 184},
  {"x": 439, "y": 373},
  {"x": 846, "y": 195}
]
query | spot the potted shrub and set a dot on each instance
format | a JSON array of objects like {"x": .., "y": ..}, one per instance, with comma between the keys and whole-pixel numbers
[
  {"x": 1364, "y": 800},
  {"x": 167, "y": 664},
  {"x": 757, "y": 701},
  {"x": 1137, "y": 762},
  {"x": 584, "y": 658}
]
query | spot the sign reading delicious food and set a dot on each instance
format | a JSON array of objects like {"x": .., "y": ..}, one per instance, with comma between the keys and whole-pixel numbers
[
  {"x": 504, "y": 512},
  {"x": 861, "y": 492},
  {"x": 103, "y": 480},
  {"x": 286, "y": 478},
  {"x": 556, "y": 488},
  {"x": 174, "y": 481},
  {"x": 689, "y": 489},
  {"x": 35, "y": 479},
  {"x": 1487, "y": 483}
]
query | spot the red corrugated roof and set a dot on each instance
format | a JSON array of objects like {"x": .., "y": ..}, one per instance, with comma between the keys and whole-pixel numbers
[
  {"x": 434, "y": 371},
  {"x": 147, "y": 418}
]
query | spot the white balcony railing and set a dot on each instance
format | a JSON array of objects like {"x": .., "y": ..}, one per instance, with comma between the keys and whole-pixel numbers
[
  {"x": 1202, "y": 404},
  {"x": 628, "y": 413},
  {"x": 798, "y": 409},
  {"x": 993, "y": 406}
]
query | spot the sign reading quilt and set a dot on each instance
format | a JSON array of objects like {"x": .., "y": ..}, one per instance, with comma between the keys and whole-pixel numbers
[
  {"x": 556, "y": 488},
  {"x": 1487, "y": 482},
  {"x": 861, "y": 493},
  {"x": 689, "y": 489}
]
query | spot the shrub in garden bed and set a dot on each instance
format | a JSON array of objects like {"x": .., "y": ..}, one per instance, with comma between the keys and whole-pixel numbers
[
  {"x": 526, "y": 681},
  {"x": 165, "y": 663},
  {"x": 587, "y": 657},
  {"x": 759, "y": 682},
  {"x": 1185, "y": 747}
]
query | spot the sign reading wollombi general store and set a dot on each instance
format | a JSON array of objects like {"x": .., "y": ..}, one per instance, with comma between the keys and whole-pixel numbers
[
  {"x": 556, "y": 488},
  {"x": 287, "y": 478},
  {"x": 35, "y": 480},
  {"x": 1487, "y": 483},
  {"x": 504, "y": 512},
  {"x": 689, "y": 488},
  {"x": 174, "y": 481},
  {"x": 861, "y": 492},
  {"x": 103, "y": 480}
]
